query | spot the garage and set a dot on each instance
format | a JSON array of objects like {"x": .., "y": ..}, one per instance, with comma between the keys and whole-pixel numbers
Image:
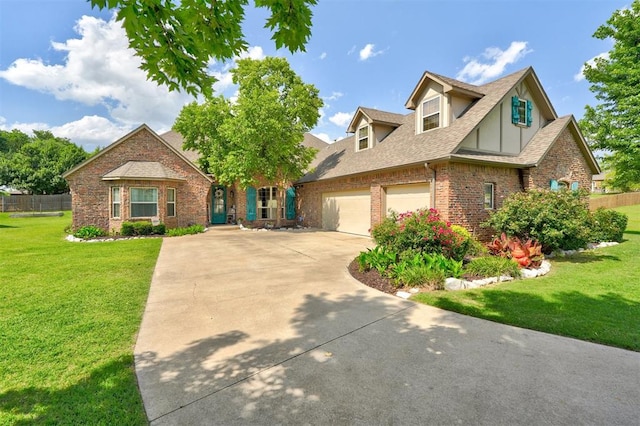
[
  {"x": 348, "y": 211},
  {"x": 404, "y": 198}
]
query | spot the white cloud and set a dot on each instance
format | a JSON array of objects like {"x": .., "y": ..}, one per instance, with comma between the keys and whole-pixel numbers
[
  {"x": 90, "y": 131},
  {"x": 580, "y": 75},
  {"x": 325, "y": 137},
  {"x": 353, "y": 49},
  {"x": 100, "y": 69},
  {"x": 334, "y": 96},
  {"x": 323, "y": 55},
  {"x": 369, "y": 52},
  {"x": 341, "y": 118},
  {"x": 254, "y": 52},
  {"x": 495, "y": 61}
]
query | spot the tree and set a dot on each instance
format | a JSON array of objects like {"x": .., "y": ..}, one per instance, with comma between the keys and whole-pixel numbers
[
  {"x": 12, "y": 141},
  {"x": 178, "y": 39},
  {"x": 614, "y": 125},
  {"x": 38, "y": 165},
  {"x": 261, "y": 134}
]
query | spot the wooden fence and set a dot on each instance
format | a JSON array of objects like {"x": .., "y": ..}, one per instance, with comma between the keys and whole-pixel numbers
[
  {"x": 615, "y": 200},
  {"x": 35, "y": 203}
]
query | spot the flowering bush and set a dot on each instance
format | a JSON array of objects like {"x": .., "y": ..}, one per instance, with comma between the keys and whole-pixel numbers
[{"x": 422, "y": 230}]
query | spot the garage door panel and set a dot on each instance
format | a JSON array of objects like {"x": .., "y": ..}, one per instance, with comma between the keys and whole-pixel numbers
[
  {"x": 348, "y": 211},
  {"x": 404, "y": 198}
]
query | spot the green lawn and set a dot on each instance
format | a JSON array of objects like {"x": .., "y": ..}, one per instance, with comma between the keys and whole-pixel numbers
[
  {"x": 592, "y": 296},
  {"x": 69, "y": 313}
]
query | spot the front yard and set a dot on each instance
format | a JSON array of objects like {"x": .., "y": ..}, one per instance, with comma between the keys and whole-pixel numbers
[
  {"x": 69, "y": 313},
  {"x": 593, "y": 296}
]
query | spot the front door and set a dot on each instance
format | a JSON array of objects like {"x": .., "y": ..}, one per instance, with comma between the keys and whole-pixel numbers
[{"x": 219, "y": 207}]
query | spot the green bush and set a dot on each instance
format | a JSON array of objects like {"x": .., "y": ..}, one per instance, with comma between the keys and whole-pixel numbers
[
  {"x": 160, "y": 229},
  {"x": 556, "y": 219},
  {"x": 88, "y": 232},
  {"x": 193, "y": 229},
  {"x": 127, "y": 229},
  {"x": 421, "y": 275},
  {"x": 378, "y": 258},
  {"x": 131, "y": 229},
  {"x": 607, "y": 225},
  {"x": 422, "y": 230},
  {"x": 493, "y": 266},
  {"x": 143, "y": 228}
]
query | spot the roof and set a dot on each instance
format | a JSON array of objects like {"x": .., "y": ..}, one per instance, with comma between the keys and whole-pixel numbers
[
  {"x": 142, "y": 170},
  {"x": 176, "y": 140},
  {"x": 375, "y": 116},
  {"x": 403, "y": 147},
  {"x": 311, "y": 141},
  {"x": 142, "y": 128}
]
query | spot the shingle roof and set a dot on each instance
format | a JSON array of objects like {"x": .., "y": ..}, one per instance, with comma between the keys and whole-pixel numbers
[
  {"x": 142, "y": 170},
  {"x": 383, "y": 116},
  {"x": 403, "y": 146},
  {"x": 311, "y": 141},
  {"x": 176, "y": 140}
]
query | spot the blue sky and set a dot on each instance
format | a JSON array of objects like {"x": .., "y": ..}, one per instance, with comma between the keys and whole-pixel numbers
[{"x": 65, "y": 67}]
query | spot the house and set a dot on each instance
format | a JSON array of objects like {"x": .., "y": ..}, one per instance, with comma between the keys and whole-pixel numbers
[
  {"x": 461, "y": 149},
  {"x": 146, "y": 176}
]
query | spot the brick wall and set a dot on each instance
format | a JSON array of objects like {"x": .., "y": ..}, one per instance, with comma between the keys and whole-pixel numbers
[
  {"x": 460, "y": 192},
  {"x": 91, "y": 195},
  {"x": 564, "y": 161}
]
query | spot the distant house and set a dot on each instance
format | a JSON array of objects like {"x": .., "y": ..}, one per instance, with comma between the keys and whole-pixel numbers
[
  {"x": 597, "y": 183},
  {"x": 462, "y": 150}
]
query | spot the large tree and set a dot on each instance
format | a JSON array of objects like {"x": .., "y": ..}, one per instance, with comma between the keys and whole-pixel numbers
[
  {"x": 613, "y": 125},
  {"x": 261, "y": 133},
  {"x": 38, "y": 164},
  {"x": 177, "y": 39}
]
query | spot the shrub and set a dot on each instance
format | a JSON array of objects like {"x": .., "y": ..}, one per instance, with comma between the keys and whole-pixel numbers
[
  {"x": 160, "y": 229},
  {"x": 422, "y": 230},
  {"x": 607, "y": 225},
  {"x": 193, "y": 229},
  {"x": 88, "y": 232},
  {"x": 378, "y": 258},
  {"x": 413, "y": 259},
  {"x": 556, "y": 219},
  {"x": 130, "y": 229},
  {"x": 127, "y": 229},
  {"x": 493, "y": 266},
  {"x": 143, "y": 228},
  {"x": 527, "y": 254},
  {"x": 421, "y": 275}
]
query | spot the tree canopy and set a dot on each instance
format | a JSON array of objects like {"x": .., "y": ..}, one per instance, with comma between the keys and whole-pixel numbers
[
  {"x": 261, "y": 133},
  {"x": 613, "y": 125},
  {"x": 38, "y": 162},
  {"x": 178, "y": 39}
]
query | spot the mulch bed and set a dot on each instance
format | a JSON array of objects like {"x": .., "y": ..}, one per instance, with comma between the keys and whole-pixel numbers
[{"x": 372, "y": 279}]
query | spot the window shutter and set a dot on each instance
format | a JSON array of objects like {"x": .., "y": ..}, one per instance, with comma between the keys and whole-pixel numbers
[
  {"x": 251, "y": 203},
  {"x": 290, "y": 203},
  {"x": 529, "y": 116},
  {"x": 515, "y": 116},
  {"x": 574, "y": 186},
  {"x": 554, "y": 185}
]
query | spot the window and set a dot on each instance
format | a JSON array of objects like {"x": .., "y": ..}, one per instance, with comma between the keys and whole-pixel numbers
[
  {"x": 267, "y": 202},
  {"x": 521, "y": 111},
  {"x": 431, "y": 114},
  {"x": 489, "y": 198},
  {"x": 115, "y": 202},
  {"x": 144, "y": 202},
  {"x": 171, "y": 202},
  {"x": 363, "y": 138}
]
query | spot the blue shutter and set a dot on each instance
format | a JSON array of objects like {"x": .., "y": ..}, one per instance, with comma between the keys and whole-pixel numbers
[
  {"x": 251, "y": 203},
  {"x": 515, "y": 116},
  {"x": 529, "y": 115},
  {"x": 574, "y": 186},
  {"x": 554, "y": 185},
  {"x": 290, "y": 203}
]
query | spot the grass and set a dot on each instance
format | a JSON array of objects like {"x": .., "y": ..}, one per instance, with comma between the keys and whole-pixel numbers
[
  {"x": 593, "y": 296},
  {"x": 69, "y": 313}
]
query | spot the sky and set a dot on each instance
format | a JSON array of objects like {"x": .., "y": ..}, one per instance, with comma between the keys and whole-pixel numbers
[{"x": 66, "y": 67}]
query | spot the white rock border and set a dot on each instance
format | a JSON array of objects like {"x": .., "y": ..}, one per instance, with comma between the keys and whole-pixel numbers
[{"x": 458, "y": 284}]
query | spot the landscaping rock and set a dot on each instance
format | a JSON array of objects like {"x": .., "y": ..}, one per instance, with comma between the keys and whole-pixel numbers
[{"x": 403, "y": 294}]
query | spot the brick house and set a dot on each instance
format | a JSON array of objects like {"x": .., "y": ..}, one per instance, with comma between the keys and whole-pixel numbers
[
  {"x": 462, "y": 150},
  {"x": 146, "y": 176}
]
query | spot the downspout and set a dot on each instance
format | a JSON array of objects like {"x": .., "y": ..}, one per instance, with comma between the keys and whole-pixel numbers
[{"x": 432, "y": 185}]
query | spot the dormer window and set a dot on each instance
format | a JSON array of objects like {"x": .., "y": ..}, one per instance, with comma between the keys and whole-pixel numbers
[
  {"x": 521, "y": 111},
  {"x": 431, "y": 114},
  {"x": 363, "y": 138}
]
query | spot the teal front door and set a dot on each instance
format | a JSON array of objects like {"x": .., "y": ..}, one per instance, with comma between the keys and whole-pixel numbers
[{"x": 219, "y": 207}]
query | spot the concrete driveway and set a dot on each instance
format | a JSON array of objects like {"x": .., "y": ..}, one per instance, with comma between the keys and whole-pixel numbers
[{"x": 269, "y": 328}]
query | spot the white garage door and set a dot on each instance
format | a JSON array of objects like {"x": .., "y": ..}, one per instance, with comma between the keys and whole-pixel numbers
[
  {"x": 348, "y": 211},
  {"x": 404, "y": 198}
]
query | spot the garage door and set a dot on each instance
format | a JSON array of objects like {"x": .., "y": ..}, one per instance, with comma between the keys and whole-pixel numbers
[
  {"x": 348, "y": 211},
  {"x": 404, "y": 198}
]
